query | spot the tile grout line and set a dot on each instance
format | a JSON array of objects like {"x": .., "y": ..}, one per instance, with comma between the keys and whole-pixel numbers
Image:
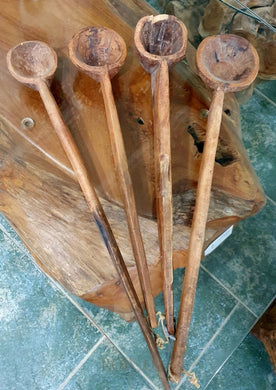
[
  {"x": 19, "y": 244},
  {"x": 78, "y": 307},
  {"x": 271, "y": 200},
  {"x": 209, "y": 343},
  {"x": 87, "y": 316},
  {"x": 225, "y": 361},
  {"x": 264, "y": 96},
  {"x": 80, "y": 364},
  {"x": 109, "y": 339},
  {"x": 237, "y": 346},
  {"x": 138, "y": 369},
  {"x": 228, "y": 290}
]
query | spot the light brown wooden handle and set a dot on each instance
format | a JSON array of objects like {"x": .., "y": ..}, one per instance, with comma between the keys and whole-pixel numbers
[
  {"x": 197, "y": 233},
  {"x": 163, "y": 180},
  {"x": 125, "y": 182},
  {"x": 101, "y": 221},
  {"x": 86, "y": 185},
  {"x": 69, "y": 146}
]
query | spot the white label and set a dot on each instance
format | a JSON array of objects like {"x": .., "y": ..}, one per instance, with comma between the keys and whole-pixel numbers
[{"x": 218, "y": 241}]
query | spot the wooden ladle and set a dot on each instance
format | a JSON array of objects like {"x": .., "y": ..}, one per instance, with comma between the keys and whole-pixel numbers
[
  {"x": 226, "y": 63},
  {"x": 160, "y": 42},
  {"x": 100, "y": 53},
  {"x": 33, "y": 63}
]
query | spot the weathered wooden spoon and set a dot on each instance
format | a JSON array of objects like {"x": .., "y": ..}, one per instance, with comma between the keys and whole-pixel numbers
[
  {"x": 33, "y": 63},
  {"x": 226, "y": 63},
  {"x": 160, "y": 42},
  {"x": 100, "y": 53}
]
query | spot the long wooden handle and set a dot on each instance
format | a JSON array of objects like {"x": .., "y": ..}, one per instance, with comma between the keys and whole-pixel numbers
[
  {"x": 163, "y": 180},
  {"x": 101, "y": 221},
  {"x": 124, "y": 178},
  {"x": 197, "y": 234}
]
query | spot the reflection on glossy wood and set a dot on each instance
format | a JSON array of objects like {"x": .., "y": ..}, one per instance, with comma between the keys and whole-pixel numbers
[{"x": 39, "y": 194}]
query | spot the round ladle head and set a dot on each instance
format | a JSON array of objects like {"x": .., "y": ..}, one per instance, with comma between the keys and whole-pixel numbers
[
  {"x": 32, "y": 61},
  {"x": 227, "y": 62},
  {"x": 160, "y": 37},
  {"x": 95, "y": 50}
]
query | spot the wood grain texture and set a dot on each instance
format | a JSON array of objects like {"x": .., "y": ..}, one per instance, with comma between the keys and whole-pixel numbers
[
  {"x": 163, "y": 178},
  {"x": 41, "y": 84},
  {"x": 34, "y": 64},
  {"x": 127, "y": 192},
  {"x": 265, "y": 331},
  {"x": 160, "y": 42},
  {"x": 210, "y": 17},
  {"x": 197, "y": 236},
  {"x": 100, "y": 53},
  {"x": 226, "y": 63},
  {"x": 39, "y": 194}
]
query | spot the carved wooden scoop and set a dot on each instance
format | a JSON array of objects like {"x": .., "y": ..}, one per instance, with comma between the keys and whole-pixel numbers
[
  {"x": 100, "y": 53},
  {"x": 160, "y": 42},
  {"x": 33, "y": 63},
  {"x": 226, "y": 63}
]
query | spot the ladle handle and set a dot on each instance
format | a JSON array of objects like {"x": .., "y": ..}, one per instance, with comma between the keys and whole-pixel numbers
[
  {"x": 125, "y": 182},
  {"x": 163, "y": 180},
  {"x": 84, "y": 180},
  {"x": 197, "y": 233},
  {"x": 101, "y": 221}
]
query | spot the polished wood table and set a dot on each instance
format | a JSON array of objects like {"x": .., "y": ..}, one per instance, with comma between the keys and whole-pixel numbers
[{"x": 39, "y": 194}]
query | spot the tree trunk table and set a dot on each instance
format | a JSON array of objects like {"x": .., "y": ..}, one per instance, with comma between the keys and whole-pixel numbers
[{"x": 39, "y": 194}]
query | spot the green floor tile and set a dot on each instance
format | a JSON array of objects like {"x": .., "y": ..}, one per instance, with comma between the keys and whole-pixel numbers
[
  {"x": 107, "y": 369},
  {"x": 258, "y": 123},
  {"x": 42, "y": 335},
  {"x": 155, "y": 4},
  {"x": 245, "y": 262},
  {"x": 212, "y": 306},
  {"x": 248, "y": 368},
  {"x": 6, "y": 227},
  {"x": 228, "y": 339},
  {"x": 268, "y": 88}
]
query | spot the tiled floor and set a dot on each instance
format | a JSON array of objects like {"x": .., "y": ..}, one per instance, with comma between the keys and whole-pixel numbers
[
  {"x": 52, "y": 340},
  {"x": 248, "y": 368}
]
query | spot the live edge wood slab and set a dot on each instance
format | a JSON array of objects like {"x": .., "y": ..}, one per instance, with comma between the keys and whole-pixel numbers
[{"x": 39, "y": 193}]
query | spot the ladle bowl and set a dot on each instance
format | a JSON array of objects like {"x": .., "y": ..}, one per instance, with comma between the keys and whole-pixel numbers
[
  {"x": 227, "y": 62},
  {"x": 93, "y": 50},
  {"x": 160, "y": 37},
  {"x": 31, "y": 61}
]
